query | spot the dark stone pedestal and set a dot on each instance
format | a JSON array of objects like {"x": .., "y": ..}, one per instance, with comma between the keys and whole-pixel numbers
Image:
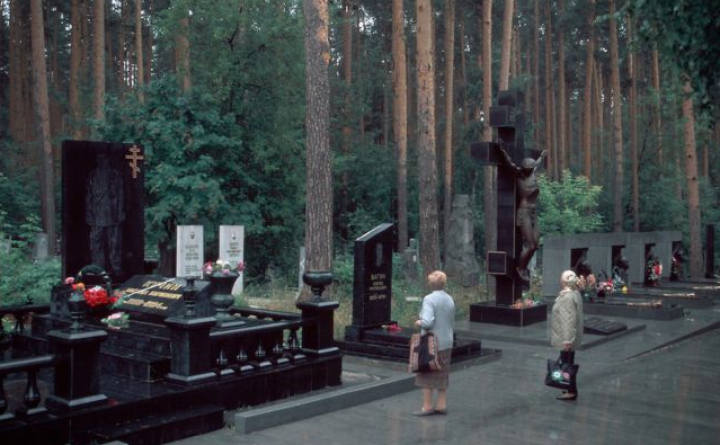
[
  {"x": 190, "y": 363},
  {"x": 77, "y": 379},
  {"x": 395, "y": 345},
  {"x": 505, "y": 315},
  {"x": 317, "y": 338}
]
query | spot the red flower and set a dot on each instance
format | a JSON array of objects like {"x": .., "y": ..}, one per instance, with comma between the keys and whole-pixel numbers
[{"x": 96, "y": 296}]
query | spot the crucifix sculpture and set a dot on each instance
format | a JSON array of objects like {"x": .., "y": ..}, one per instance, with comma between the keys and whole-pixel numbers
[{"x": 517, "y": 192}]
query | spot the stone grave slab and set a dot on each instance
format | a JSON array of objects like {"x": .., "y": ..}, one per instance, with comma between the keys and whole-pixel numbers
[{"x": 599, "y": 326}]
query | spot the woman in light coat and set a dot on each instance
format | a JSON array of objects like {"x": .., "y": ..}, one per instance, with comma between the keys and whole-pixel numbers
[
  {"x": 437, "y": 316},
  {"x": 566, "y": 327}
]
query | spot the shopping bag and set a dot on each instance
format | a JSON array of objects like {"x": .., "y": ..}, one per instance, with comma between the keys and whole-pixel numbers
[
  {"x": 561, "y": 375},
  {"x": 424, "y": 355}
]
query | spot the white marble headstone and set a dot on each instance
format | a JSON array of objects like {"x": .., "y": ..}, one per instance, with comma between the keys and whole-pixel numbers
[
  {"x": 232, "y": 247},
  {"x": 190, "y": 251}
]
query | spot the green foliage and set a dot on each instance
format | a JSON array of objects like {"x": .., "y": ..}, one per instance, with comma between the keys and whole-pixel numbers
[
  {"x": 686, "y": 34},
  {"x": 23, "y": 278},
  {"x": 568, "y": 206},
  {"x": 230, "y": 151}
]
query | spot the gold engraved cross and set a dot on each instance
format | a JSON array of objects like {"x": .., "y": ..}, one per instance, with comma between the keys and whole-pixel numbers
[{"x": 134, "y": 157}]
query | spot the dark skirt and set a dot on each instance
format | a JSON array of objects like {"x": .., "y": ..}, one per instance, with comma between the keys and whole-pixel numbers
[{"x": 437, "y": 379}]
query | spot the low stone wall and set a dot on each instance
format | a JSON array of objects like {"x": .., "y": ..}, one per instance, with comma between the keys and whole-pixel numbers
[{"x": 561, "y": 252}]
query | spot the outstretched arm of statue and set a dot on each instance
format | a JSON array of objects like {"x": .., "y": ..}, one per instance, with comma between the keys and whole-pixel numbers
[
  {"x": 540, "y": 158},
  {"x": 506, "y": 156}
]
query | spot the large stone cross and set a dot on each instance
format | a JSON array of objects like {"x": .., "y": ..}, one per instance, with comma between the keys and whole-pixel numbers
[{"x": 502, "y": 260}]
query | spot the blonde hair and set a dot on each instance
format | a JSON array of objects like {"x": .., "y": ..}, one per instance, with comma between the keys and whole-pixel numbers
[
  {"x": 436, "y": 280},
  {"x": 569, "y": 279}
]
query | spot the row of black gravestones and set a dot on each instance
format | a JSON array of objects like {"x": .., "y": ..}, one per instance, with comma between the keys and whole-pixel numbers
[{"x": 517, "y": 235}]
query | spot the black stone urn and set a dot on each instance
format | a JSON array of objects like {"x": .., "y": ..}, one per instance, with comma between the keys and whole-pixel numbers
[
  {"x": 317, "y": 280},
  {"x": 222, "y": 298}
]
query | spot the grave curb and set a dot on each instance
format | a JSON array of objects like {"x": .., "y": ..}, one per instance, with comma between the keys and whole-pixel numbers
[{"x": 253, "y": 420}]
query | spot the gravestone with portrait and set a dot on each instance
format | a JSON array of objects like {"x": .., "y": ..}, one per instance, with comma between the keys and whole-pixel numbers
[
  {"x": 232, "y": 249},
  {"x": 190, "y": 251},
  {"x": 102, "y": 208}
]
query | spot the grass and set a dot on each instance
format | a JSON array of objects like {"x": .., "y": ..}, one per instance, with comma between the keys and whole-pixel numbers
[{"x": 405, "y": 305}]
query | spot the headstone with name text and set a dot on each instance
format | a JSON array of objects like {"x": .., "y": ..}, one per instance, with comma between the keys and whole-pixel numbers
[
  {"x": 152, "y": 298},
  {"x": 190, "y": 251},
  {"x": 372, "y": 284},
  {"x": 231, "y": 248}
]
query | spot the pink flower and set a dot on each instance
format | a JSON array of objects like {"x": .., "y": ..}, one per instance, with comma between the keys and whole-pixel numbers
[{"x": 69, "y": 280}]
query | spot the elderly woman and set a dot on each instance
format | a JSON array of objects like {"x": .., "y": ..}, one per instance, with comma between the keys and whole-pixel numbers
[
  {"x": 437, "y": 316},
  {"x": 566, "y": 328}
]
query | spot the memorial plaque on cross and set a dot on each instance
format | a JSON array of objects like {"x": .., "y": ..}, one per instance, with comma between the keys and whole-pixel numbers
[{"x": 516, "y": 190}]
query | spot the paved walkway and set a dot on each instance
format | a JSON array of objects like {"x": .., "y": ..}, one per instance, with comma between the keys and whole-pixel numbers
[{"x": 659, "y": 384}]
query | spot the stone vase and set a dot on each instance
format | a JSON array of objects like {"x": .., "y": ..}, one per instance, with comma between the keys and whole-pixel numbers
[{"x": 222, "y": 298}]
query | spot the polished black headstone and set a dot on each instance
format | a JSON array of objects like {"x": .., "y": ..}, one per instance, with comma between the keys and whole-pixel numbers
[
  {"x": 102, "y": 207},
  {"x": 153, "y": 298},
  {"x": 372, "y": 286}
]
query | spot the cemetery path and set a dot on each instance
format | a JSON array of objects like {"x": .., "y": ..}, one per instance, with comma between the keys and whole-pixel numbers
[{"x": 659, "y": 384}]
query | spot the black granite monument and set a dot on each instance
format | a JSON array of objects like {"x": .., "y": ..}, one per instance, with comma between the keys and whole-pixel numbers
[
  {"x": 372, "y": 283},
  {"x": 102, "y": 207},
  {"x": 516, "y": 236}
]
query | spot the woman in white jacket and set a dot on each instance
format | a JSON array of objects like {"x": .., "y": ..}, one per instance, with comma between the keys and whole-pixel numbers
[
  {"x": 566, "y": 327},
  {"x": 437, "y": 316}
]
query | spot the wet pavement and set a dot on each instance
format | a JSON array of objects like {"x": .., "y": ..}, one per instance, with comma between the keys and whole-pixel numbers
[{"x": 659, "y": 383}]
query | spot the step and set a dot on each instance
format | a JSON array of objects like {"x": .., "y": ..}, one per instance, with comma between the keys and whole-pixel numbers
[{"x": 164, "y": 428}]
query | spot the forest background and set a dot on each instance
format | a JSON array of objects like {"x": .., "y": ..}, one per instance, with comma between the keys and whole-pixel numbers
[{"x": 622, "y": 93}]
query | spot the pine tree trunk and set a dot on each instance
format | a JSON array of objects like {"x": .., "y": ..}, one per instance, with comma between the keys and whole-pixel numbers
[
  {"x": 347, "y": 81},
  {"x": 617, "y": 123},
  {"x": 449, "y": 108},
  {"x": 400, "y": 117},
  {"x": 561, "y": 108},
  {"x": 427, "y": 158},
  {"x": 599, "y": 154},
  {"x": 587, "y": 93},
  {"x": 549, "y": 96},
  {"x": 658, "y": 104},
  {"x": 506, "y": 47},
  {"x": 318, "y": 210},
  {"x": 40, "y": 94},
  {"x": 182, "y": 54},
  {"x": 693, "y": 188},
  {"x": 489, "y": 171},
  {"x": 537, "y": 108},
  {"x": 76, "y": 57},
  {"x": 139, "y": 59},
  {"x": 99, "y": 60},
  {"x": 633, "y": 128}
]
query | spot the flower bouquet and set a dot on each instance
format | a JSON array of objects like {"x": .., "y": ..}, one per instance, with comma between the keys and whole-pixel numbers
[
  {"x": 222, "y": 267},
  {"x": 116, "y": 320},
  {"x": 653, "y": 272}
]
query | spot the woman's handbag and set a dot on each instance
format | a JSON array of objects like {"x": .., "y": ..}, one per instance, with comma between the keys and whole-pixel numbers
[
  {"x": 561, "y": 375},
  {"x": 424, "y": 355}
]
